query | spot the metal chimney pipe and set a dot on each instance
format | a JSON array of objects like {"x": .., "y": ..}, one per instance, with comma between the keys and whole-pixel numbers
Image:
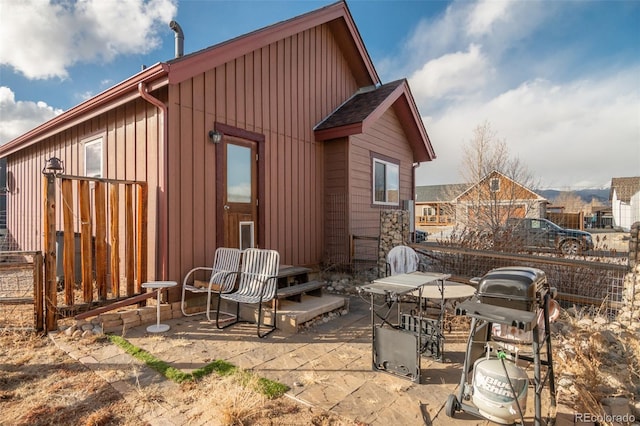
[{"x": 179, "y": 38}]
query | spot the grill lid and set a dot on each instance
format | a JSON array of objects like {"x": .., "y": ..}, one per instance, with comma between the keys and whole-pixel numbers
[{"x": 514, "y": 283}]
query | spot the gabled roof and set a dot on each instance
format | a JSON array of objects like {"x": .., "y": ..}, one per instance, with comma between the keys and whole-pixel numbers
[
  {"x": 624, "y": 187},
  {"x": 336, "y": 16},
  {"x": 497, "y": 174},
  {"x": 367, "y": 105},
  {"x": 439, "y": 193}
]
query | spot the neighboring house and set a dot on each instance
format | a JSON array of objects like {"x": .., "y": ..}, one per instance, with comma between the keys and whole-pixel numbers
[
  {"x": 625, "y": 201},
  {"x": 495, "y": 199},
  {"x": 435, "y": 204},
  {"x": 302, "y": 113}
]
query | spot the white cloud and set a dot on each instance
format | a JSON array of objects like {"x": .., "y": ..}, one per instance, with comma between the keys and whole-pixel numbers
[
  {"x": 451, "y": 75},
  {"x": 484, "y": 15},
  {"x": 20, "y": 117},
  {"x": 63, "y": 34},
  {"x": 578, "y": 134}
]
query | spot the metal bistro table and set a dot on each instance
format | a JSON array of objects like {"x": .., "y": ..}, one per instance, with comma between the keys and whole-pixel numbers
[
  {"x": 396, "y": 350},
  {"x": 159, "y": 286}
]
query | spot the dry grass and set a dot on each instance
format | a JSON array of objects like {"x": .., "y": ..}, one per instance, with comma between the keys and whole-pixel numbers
[
  {"x": 41, "y": 385},
  {"x": 601, "y": 361}
]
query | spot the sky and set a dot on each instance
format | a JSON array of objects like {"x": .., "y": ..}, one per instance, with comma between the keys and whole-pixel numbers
[{"x": 557, "y": 81}]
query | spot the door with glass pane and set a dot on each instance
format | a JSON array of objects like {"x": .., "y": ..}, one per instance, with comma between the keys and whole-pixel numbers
[{"x": 240, "y": 193}]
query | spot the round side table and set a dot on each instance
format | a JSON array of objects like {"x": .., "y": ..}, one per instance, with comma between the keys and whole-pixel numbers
[{"x": 159, "y": 285}]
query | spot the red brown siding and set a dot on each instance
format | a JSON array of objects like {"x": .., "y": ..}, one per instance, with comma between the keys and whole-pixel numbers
[{"x": 280, "y": 91}]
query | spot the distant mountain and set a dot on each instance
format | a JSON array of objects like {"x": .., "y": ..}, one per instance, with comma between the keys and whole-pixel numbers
[{"x": 586, "y": 195}]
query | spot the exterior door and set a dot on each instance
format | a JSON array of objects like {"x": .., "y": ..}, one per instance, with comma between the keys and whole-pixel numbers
[{"x": 239, "y": 189}]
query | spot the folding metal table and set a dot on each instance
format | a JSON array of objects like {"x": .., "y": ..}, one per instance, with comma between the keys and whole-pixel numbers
[{"x": 396, "y": 350}]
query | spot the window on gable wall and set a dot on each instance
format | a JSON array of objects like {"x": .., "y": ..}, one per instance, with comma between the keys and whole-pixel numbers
[
  {"x": 386, "y": 182},
  {"x": 494, "y": 185},
  {"x": 93, "y": 158}
]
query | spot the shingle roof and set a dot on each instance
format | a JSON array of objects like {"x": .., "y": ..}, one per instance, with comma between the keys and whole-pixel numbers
[
  {"x": 625, "y": 187},
  {"x": 442, "y": 193},
  {"x": 358, "y": 107}
]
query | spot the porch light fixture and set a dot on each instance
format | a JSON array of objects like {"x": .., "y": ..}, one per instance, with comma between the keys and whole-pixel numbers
[
  {"x": 53, "y": 167},
  {"x": 215, "y": 136}
]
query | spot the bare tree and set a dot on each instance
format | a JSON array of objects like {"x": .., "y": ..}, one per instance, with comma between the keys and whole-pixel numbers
[
  {"x": 571, "y": 202},
  {"x": 499, "y": 183}
]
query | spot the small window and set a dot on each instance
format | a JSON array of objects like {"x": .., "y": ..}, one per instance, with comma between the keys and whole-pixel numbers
[
  {"x": 494, "y": 185},
  {"x": 93, "y": 158},
  {"x": 386, "y": 182}
]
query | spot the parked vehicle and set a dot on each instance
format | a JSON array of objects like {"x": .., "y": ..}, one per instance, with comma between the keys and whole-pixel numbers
[
  {"x": 544, "y": 233},
  {"x": 420, "y": 236}
]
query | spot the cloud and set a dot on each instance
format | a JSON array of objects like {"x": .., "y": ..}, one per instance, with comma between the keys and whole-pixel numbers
[
  {"x": 62, "y": 34},
  {"x": 579, "y": 134},
  {"x": 451, "y": 75},
  {"x": 484, "y": 15},
  {"x": 20, "y": 117}
]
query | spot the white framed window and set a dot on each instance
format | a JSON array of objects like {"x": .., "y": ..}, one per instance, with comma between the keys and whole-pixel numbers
[
  {"x": 93, "y": 158},
  {"x": 386, "y": 182}
]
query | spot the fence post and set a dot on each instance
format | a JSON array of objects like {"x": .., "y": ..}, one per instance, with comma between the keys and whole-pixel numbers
[
  {"x": 38, "y": 291},
  {"x": 142, "y": 236},
  {"x": 50, "y": 294}
]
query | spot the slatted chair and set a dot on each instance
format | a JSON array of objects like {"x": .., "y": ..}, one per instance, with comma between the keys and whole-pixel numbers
[
  {"x": 225, "y": 260},
  {"x": 257, "y": 284},
  {"x": 402, "y": 260}
]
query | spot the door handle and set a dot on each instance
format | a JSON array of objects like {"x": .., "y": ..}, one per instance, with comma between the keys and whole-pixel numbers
[{"x": 226, "y": 207}]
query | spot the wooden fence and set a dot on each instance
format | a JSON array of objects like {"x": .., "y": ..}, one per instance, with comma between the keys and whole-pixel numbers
[{"x": 95, "y": 218}]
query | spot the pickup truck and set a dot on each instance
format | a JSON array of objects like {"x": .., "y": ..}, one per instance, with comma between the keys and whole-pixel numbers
[{"x": 544, "y": 233}]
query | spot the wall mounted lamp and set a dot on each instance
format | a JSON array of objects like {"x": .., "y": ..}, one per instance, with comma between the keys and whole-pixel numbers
[
  {"x": 54, "y": 166},
  {"x": 215, "y": 136}
]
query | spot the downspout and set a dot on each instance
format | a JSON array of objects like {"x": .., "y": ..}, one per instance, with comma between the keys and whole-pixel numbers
[
  {"x": 414, "y": 166},
  {"x": 163, "y": 212}
]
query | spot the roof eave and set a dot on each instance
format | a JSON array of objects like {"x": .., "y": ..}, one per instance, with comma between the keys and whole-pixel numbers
[
  {"x": 188, "y": 66},
  {"x": 155, "y": 76},
  {"x": 339, "y": 131},
  {"x": 402, "y": 101}
]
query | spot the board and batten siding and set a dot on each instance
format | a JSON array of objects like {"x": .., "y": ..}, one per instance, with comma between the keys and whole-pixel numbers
[
  {"x": 281, "y": 91},
  {"x": 130, "y": 151},
  {"x": 385, "y": 140}
]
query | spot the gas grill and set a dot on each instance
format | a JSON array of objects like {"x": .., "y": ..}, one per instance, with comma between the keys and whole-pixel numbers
[
  {"x": 515, "y": 297},
  {"x": 519, "y": 288}
]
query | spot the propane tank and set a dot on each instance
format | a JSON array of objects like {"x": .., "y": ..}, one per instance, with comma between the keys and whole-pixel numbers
[{"x": 492, "y": 394}]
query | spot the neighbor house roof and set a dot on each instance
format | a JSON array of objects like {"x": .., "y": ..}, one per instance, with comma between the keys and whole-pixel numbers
[
  {"x": 625, "y": 188},
  {"x": 439, "y": 193},
  {"x": 336, "y": 16},
  {"x": 496, "y": 174},
  {"x": 367, "y": 105}
]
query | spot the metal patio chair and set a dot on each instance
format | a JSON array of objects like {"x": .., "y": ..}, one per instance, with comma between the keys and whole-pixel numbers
[
  {"x": 225, "y": 260},
  {"x": 257, "y": 284}
]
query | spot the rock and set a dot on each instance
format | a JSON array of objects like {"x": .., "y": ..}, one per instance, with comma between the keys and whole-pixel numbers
[
  {"x": 87, "y": 333},
  {"x": 616, "y": 406},
  {"x": 566, "y": 381}
]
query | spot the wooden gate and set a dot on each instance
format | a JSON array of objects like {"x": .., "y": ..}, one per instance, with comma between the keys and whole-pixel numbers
[{"x": 112, "y": 235}]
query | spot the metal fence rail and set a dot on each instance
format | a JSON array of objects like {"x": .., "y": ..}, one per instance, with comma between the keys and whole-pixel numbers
[{"x": 597, "y": 284}]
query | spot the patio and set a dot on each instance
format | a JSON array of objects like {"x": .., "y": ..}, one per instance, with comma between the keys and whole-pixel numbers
[{"x": 327, "y": 366}]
